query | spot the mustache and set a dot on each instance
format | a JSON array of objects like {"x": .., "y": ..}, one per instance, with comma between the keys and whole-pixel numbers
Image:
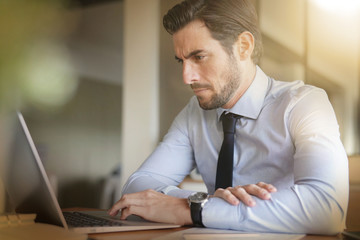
[{"x": 200, "y": 85}]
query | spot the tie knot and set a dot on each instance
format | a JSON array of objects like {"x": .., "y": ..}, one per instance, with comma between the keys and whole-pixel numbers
[{"x": 229, "y": 121}]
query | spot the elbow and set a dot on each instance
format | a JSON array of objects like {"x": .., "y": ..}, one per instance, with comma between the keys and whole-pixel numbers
[
  {"x": 324, "y": 210},
  {"x": 329, "y": 222},
  {"x": 326, "y": 225},
  {"x": 331, "y": 226}
]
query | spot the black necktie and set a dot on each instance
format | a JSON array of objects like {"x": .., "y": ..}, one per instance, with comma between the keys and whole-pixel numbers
[{"x": 224, "y": 173}]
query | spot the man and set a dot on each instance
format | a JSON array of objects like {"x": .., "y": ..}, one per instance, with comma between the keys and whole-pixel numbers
[{"x": 290, "y": 171}]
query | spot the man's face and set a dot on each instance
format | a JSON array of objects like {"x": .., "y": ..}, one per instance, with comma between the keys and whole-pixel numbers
[{"x": 213, "y": 74}]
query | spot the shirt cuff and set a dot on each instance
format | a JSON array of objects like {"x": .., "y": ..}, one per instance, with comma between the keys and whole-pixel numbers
[{"x": 176, "y": 192}]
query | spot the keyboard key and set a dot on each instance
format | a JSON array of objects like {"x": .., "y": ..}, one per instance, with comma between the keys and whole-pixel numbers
[{"x": 77, "y": 219}]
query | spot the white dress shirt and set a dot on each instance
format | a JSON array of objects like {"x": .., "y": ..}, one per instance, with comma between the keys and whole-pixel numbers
[{"x": 288, "y": 136}]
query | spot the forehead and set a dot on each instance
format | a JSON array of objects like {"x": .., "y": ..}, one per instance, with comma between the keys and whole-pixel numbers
[{"x": 194, "y": 36}]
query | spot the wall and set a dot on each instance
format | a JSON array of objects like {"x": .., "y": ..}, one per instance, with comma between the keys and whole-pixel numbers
[
  {"x": 80, "y": 143},
  {"x": 140, "y": 122},
  {"x": 284, "y": 29},
  {"x": 324, "y": 47},
  {"x": 96, "y": 42},
  {"x": 113, "y": 118},
  {"x": 334, "y": 50}
]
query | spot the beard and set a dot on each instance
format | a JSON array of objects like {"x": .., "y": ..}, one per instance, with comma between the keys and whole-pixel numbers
[{"x": 232, "y": 78}]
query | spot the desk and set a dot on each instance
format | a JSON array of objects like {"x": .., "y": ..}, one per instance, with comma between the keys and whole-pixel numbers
[
  {"x": 150, "y": 234},
  {"x": 132, "y": 235}
]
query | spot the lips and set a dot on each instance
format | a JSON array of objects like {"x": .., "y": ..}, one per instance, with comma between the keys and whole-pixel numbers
[
  {"x": 199, "y": 91},
  {"x": 199, "y": 88}
]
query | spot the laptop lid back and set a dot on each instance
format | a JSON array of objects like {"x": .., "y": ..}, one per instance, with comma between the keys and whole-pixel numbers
[{"x": 26, "y": 181}]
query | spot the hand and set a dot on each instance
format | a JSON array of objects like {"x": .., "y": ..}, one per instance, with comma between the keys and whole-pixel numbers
[
  {"x": 153, "y": 206},
  {"x": 237, "y": 194}
]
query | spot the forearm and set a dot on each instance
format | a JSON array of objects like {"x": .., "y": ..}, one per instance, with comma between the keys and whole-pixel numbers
[
  {"x": 315, "y": 204},
  {"x": 301, "y": 209},
  {"x": 140, "y": 181}
]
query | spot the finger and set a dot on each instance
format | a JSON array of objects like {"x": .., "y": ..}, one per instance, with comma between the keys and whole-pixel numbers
[
  {"x": 124, "y": 202},
  {"x": 115, "y": 209},
  {"x": 227, "y": 196},
  {"x": 132, "y": 210},
  {"x": 268, "y": 187},
  {"x": 257, "y": 191},
  {"x": 113, "y": 212},
  {"x": 243, "y": 195}
]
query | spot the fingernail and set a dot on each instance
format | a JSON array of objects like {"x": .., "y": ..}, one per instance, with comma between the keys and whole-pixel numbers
[
  {"x": 251, "y": 202},
  {"x": 266, "y": 195},
  {"x": 272, "y": 189},
  {"x": 111, "y": 212}
]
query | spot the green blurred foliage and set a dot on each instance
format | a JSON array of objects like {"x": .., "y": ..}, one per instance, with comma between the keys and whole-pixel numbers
[{"x": 25, "y": 27}]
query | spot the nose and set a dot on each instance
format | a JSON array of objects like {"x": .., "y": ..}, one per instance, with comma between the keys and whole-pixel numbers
[{"x": 190, "y": 74}]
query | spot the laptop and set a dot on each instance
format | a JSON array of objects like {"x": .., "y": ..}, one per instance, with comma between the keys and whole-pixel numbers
[
  {"x": 29, "y": 191},
  {"x": 351, "y": 235}
]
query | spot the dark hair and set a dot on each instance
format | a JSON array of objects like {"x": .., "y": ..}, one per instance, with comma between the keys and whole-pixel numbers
[{"x": 226, "y": 20}]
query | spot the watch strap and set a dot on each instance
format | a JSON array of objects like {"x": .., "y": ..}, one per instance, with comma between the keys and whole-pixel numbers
[{"x": 196, "y": 214}]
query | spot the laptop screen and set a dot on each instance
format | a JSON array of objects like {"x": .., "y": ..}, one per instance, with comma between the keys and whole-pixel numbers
[{"x": 25, "y": 179}]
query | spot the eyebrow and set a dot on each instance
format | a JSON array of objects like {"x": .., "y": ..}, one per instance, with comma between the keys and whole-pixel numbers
[{"x": 190, "y": 54}]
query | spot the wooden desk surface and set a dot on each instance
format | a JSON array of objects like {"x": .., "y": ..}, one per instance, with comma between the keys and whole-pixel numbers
[
  {"x": 150, "y": 234},
  {"x": 138, "y": 235}
]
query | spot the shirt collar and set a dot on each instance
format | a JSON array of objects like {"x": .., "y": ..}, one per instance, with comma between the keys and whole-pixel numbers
[{"x": 251, "y": 103}]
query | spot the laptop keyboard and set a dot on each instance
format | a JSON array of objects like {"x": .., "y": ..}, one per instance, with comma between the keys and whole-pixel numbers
[{"x": 77, "y": 219}]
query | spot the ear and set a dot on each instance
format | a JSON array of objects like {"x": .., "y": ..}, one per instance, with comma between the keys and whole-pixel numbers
[{"x": 245, "y": 45}]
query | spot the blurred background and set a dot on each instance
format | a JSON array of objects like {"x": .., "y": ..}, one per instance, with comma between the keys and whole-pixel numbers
[{"x": 98, "y": 85}]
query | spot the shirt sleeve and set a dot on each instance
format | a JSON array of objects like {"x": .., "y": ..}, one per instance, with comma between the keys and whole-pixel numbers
[
  {"x": 317, "y": 202},
  {"x": 169, "y": 164}
]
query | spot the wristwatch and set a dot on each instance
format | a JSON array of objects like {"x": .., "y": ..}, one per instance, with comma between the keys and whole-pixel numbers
[{"x": 196, "y": 202}]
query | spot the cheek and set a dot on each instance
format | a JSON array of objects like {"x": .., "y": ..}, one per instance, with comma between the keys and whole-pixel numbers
[
  {"x": 212, "y": 74},
  {"x": 219, "y": 77}
]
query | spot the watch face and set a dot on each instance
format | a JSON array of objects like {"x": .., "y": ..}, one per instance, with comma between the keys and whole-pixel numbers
[{"x": 198, "y": 197}]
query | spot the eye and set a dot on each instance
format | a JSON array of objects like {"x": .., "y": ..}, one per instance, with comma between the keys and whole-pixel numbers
[
  {"x": 199, "y": 57},
  {"x": 179, "y": 60}
]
